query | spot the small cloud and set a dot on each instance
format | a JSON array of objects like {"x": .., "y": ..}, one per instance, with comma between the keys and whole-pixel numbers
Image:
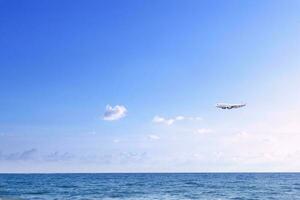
[
  {"x": 28, "y": 154},
  {"x": 170, "y": 121},
  {"x": 20, "y": 156},
  {"x": 179, "y": 118},
  {"x": 162, "y": 120},
  {"x": 196, "y": 118},
  {"x": 116, "y": 141},
  {"x": 57, "y": 156},
  {"x": 153, "y": 137},
  {"x": 114, "y": 113},
  {"x": 204, "y": 131}
]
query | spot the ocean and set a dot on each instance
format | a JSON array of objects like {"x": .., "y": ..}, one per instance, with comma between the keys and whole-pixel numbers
[{"x": 144, "y": 186}]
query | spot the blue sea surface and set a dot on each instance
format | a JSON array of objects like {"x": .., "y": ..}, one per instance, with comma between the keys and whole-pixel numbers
[{"x": 207, "y": 186}]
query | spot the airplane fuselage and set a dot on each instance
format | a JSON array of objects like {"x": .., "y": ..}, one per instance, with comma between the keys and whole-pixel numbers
[{"x": 229, "y": 106}]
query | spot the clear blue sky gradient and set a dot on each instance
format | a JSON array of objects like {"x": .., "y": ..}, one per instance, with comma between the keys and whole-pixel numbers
[{"x": 62, "y": 62}]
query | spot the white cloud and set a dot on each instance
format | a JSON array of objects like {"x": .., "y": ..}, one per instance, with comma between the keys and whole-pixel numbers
[
  {"x": 170, "y": 121},
  {"x": 179, "y": 118},
  {"x": 116, "y": 141},
  {"x": 153, "y": 137},
  {"x": 195, "y": 118},
  {"x": 158, "y": 119},
  {"x": 114, "y": 113},
  {"x": 204, "y": 131}
]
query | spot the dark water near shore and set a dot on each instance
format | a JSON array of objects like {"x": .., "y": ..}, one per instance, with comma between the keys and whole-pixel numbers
[{"x": 210, "y": 186}]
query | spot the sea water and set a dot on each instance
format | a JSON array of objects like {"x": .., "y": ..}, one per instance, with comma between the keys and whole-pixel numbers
[{"x": 172, "y": 186}]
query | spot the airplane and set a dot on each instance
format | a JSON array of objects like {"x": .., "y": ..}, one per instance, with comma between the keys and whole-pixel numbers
[{"x": 229, "y": 106}]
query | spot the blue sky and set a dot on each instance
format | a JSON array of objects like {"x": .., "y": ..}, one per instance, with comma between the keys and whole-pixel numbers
[{"x": 63, "y": 62}]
